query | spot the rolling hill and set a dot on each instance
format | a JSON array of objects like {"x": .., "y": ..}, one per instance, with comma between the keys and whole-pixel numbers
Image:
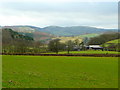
[
  {"x": 12, "y": 35},
  {"x": 31, "y": 32},
  {"x": 11, "y": 38},
  {"x": 74, "y": 30},
  {"x": 62, "y": 31}
]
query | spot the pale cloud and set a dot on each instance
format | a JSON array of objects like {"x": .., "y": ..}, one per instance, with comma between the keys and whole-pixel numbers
[
  {"x": 64, "y": 14},
  {"x": 52, "y": 1}
]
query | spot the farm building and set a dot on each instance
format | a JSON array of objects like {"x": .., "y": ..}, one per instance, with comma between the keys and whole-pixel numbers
[
  {"x": 91, "y": 47},
  {"x": 94, "y": 47}
]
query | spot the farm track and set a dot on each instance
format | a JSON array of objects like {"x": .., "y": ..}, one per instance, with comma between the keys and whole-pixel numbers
[{"x": 85, "y": 55}]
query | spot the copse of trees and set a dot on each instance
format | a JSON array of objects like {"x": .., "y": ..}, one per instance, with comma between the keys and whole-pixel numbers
[
  {"x": 85, "y": 40},
  {"x": 103, "y": 38},
  {"x": 69, "y": 46},
  {"x": 54, "y": 45}
]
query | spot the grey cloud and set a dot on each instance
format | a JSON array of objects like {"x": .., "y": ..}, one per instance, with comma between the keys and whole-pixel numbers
[
  {"x": 101, "y": 7},
  {"x": 64, "y": 14}
]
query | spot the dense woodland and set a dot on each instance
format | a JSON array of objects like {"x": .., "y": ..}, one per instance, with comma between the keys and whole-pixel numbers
[{"x": 14, "y": 42}]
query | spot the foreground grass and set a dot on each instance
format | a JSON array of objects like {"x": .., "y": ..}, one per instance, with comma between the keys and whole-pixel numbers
[
  {"x": 86, "y": 52},
  {"x": 60, "y": 72}
]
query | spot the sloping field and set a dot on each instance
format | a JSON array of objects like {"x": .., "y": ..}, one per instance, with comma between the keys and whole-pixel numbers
[
  {"x": 116, "y": 41},
  {"x": 112, "y": 42},
  {"x": 65, "y": 39},
  {"x": 89, "y": 35},
  {"x": 73, "y": 38},
  {"x": 59, "y": 72}
]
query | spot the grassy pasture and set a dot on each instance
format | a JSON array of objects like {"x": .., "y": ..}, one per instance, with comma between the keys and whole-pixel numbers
[
  {"x": 89, "y": 35},
  {"x": 65, "y": 39},
  {"x": 114, "y": 41},
  {"x": 59, "y": 72},
  {"x": 73, "y": 38}
]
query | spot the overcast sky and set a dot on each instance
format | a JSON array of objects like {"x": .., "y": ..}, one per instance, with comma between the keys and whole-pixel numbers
[{"x": 44, "y": 13}]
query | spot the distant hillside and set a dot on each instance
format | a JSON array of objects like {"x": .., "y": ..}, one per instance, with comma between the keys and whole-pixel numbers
[
  {"x": 31, "y": 31},
  {"x": 25, "y": 29},
  {"x": 74, "y": 30},
  {"x": 9, "y": 34},
  {"x": 61, "y": 31},
  {"x": 11, "y": 38}
]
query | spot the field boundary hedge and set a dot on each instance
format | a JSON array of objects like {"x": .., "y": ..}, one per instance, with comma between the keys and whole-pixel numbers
[{"x": 90, "y": 55}]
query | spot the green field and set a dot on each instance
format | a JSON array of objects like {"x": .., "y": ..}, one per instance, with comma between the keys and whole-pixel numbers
[
  {"x": 116, "y": 41},
  {"x": 59, "y": 72},
  {"x": 89, "y": 35},
  {"x": 86, "y": 52}
]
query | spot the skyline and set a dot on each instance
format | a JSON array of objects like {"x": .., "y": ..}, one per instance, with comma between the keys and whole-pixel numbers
[{"x": 73, "y": 13}]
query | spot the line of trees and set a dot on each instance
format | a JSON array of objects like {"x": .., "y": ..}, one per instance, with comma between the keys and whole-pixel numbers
[{"x": 56, "y": 46}]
